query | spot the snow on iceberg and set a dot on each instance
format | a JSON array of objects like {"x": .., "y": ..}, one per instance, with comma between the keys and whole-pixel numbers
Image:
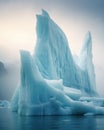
[{"x": 52, "y": 83}]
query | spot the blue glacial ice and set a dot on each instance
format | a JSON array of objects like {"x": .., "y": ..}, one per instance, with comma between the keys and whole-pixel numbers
[
  {"x": 52, "y": 82},
  {"x": 4, "y": 104}
]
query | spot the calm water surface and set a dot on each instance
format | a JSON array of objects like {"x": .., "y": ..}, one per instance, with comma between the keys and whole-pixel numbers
[{"x": 12, "y": 121}]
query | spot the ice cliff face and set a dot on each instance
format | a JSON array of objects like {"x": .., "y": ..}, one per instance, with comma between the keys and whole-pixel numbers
[
  {"x": 52, "y": 83},
  {"x": 86, "y": 64},
  {"x": 53, "y": 57}
]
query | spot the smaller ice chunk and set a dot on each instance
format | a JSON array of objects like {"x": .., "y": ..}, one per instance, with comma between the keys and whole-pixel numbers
[{"x": 4, "y": 103}]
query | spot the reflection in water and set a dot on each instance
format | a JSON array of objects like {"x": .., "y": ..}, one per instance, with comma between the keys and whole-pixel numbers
[{"x": 12, "y": 121}]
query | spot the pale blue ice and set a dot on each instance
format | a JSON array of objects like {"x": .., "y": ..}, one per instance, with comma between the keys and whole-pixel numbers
[{"x": 52, "y": 82}]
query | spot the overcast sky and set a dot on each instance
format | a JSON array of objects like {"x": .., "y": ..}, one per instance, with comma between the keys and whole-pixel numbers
[{"x": 75, "y": 17}]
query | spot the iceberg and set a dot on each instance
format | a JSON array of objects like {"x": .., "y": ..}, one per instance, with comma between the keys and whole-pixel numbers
[
  {"x": 3, "y": 70},
  {"x": 4, "y": 104},
  {"x": 53, "y": 57},
  {"x": 52, "y": 82}
]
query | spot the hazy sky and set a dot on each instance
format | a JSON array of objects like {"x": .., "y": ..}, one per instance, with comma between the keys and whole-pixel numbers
[{"x": 75, "y": 17}]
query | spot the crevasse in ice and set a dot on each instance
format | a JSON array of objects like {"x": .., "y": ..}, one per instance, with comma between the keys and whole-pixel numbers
[{"x": 52, "y": 82}]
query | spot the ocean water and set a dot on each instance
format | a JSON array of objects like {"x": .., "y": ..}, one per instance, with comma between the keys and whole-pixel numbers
[{"x": 12, "y": 121}]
